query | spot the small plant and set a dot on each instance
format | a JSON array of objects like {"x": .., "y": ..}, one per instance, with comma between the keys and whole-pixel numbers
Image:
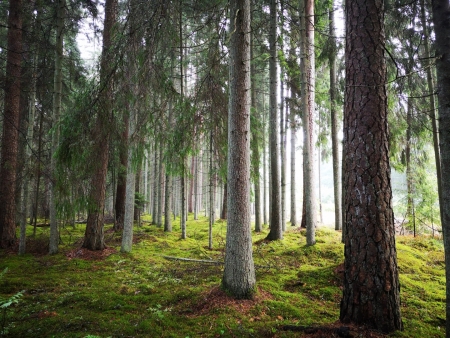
[{"x": 5, "y": 303}]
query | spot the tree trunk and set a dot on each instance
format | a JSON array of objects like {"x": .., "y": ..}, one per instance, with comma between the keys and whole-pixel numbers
[
  {"x": 57, "y": 95},
  {"x": 308, "y": 67},
  {"x": 283, "y": 156},
  {"x": 94, "y": 237},
  {"x": 239, "y": 271},
  {"x": 335, "y": 127},
  {"x": 275, "y": 205},
  {"x": 122, "y": 178},
  {"x": 254, "y": 142},
  {"x": 441, "y": 20},
  {"x": 223, "y": 214},
  {"x": 212, "y": 191},
  {"x": 131, "y": 117},
  {"x": 10, "y": 138},
  {"x": 371, "y": 294},
  {"x": 155, "y": 185},
  {"x": 433, "y": 117},
  {"x": 161, "y": 176}
]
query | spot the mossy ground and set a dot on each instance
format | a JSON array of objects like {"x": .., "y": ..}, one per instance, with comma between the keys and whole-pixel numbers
[{"x": 142, "y": 294}]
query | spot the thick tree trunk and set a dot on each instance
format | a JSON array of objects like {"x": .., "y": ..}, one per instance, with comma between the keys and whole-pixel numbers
[
  {"x": 57, "y": 95},
  {"x": 441, "y": 19},
  {"x": 335, "y": 128},
  {"x": 308, "y": 85},
  {"x": 239, "y": 271},
  {"x": 10, "y": 138},
  {"x": 276, "y": 231},
  {"x": 371, "y": 294},
  {"x": 94, "y": 237}
]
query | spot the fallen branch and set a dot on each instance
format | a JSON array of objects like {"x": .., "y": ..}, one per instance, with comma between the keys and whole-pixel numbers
[
  {"x": 203, "y": 261},
  {"x": 207, "y": 261}
]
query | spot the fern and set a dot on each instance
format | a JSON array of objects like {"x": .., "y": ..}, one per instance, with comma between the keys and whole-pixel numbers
[{"x": 5, "y": 303}]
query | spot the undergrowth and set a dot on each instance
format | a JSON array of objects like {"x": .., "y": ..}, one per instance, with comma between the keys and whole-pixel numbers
[{"x": 143, "y": 294}]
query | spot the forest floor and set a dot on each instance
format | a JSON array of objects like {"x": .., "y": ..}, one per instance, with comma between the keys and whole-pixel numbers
[{"x": 79, "y": 293}]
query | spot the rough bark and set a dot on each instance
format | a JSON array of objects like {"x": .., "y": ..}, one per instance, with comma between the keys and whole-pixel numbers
[
  {"x": 57, "y": 95},
  {"x": 10, "y": 136},
  {"x": 131, "y": 114},
  {"x": 371, "y": 294},
  {"x": 239, "y": 271},
  {"x": 441, "y": 19},
  {"x": 94, "y": 236},
  {"x": 276, "y": 231},
  {"x": 308, "y": 85},
  {"x": 335, "y": 128},
  {"x": 254, "y": 142}
]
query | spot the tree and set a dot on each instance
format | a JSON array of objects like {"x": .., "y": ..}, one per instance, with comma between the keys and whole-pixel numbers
[
  {"x": 371, "y": 294},
  {"x": 10, "y": 137},
  {"x": 308, "y": 97},
  {"x": 239, "y": 271},
  {"x": 57, "y": 96},
  {"x": 94, "y": 237},
  {"x": 335, "y": 125},
  {"x": 276, "y": 231},
  {"x": 441, "y": 20}
]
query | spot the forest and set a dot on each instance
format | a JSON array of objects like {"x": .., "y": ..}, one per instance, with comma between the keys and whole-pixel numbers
[{"x": 235, "y": 168}]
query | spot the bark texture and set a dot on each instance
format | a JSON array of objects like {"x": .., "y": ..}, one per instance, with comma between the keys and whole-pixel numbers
[
  {"x": 57, "y": 95},
  {"x": 371, "y": 294},
  {"x": 308, "y": 88},
  {"x": 239, "y": 271},
  {"x": 94, "y": 236},
  {"x": 10, "y": 137},
  {"x": 334, "y": 129},
  {"x": 441, "y": 19},
  {"x": 274, "y": 146}
]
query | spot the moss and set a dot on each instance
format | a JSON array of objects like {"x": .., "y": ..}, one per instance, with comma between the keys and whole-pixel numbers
[{"x": 142, "y": 294}]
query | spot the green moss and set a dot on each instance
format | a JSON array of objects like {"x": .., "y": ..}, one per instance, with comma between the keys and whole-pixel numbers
[{"x": 142, "y": 294}]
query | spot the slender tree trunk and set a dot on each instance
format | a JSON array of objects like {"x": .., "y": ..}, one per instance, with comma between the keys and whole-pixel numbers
[
  {"x": 224, "y": 202},
  {"x": 441, "y": 20},
  {"x": 433, "y": 117},
  {"x": 275, "y": 205},
  {"x": 239, "y": 271},
  {"x": 130, "y": 143},
  {"x": 265, "y": 219},
  {"x": 371, "y": 294},
  {"x": 161, "y": 170},
  {"x": 119, "y": 206},
  {"x": 137, "y": 189},
  {"x": 254, "y": 143},
  {"x": 57, "y": 95},
  {"x": 10, "y": 138},
  {"x": 38, "y": 173},
  {"x": 155, "y": 185},
  {"x": 409, "y": 178},
  {"x": 28, "y": 162},
  {"x": 212, "y": 191},
  {"x": 335, "y": 127},
  {"x": 94, "y": 237},
  {"x": 283, "y": 157}
]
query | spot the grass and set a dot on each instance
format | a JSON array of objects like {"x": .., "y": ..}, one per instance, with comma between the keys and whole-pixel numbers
[{"x": 142, "y": 294}]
